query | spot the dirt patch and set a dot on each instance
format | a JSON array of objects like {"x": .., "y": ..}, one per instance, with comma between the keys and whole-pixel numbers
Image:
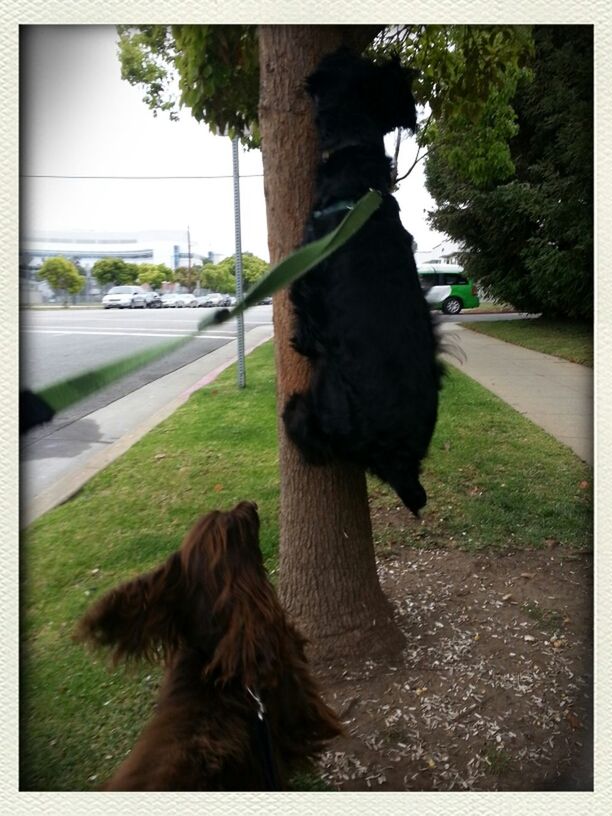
[{"x": 494, "y": 689}]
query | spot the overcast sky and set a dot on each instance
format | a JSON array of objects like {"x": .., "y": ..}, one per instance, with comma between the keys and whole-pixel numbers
[{"x": 79, "y": 118}]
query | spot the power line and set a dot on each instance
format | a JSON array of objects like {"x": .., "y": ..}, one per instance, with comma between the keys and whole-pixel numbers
[{"x": 135, "y": 178}]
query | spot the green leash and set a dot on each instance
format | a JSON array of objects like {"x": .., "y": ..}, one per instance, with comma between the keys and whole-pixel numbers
[{"x": 41, "y": 406}]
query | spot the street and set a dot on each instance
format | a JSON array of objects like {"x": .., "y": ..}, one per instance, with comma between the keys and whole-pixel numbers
[
  {"x": 57, "y": 343},
  {"x": 60, "y": 343}
]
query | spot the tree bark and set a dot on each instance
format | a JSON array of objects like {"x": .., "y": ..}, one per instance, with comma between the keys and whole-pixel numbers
[{"x": 328, "y": 579}]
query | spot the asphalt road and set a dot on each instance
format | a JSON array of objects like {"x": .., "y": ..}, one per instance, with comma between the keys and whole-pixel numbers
[
  {"x": 60, "y": 343},
  {"x": 57, "y": 344}
]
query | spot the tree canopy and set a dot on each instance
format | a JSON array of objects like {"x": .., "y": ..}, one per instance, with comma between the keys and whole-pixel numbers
[
  {"x": 62, "y": 275},
  {"x": 188, "y": 276},
  {"x": 211, "y": 69},
  {"x": 221, "y": 277},
  {"x": 253, "y": 268},
  {"x": 214, "y": 69},
  {"x": 154, "y": 275},
  {"x": 526, "y": 220},
  {"x": 114, "y": 271}
]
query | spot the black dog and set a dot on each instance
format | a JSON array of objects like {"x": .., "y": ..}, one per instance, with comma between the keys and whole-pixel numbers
[{"x": 361, "y": 317}]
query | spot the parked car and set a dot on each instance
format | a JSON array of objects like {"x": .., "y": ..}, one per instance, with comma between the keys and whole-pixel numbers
[
  {"x": 121, "y": 297},
  {"x": 446, "y": 287},
  {"x": 213, "y": 299},
  {"x": 187, "y": 299},
  {"x": 146, "y": 300},
  {"x": 265, "y": 301},
  {"x": 176, "y": 300}
]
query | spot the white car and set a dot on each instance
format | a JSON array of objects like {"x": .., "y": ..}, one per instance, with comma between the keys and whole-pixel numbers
[
  {"x": 174, "y": 300},
  {"x": 187, "y": 300},
  {"x": 213, "y": 299},
  {"x": 121, "y": 297}
]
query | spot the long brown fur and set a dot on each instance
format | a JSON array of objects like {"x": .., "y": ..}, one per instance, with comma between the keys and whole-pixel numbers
[{"x": 212, "y": 615}]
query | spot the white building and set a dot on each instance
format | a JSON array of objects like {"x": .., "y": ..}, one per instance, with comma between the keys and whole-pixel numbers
[{"x": 170, "y": 247}]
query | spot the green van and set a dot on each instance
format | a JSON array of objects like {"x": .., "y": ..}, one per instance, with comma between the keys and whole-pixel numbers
[{"x": 446, "y": 287}]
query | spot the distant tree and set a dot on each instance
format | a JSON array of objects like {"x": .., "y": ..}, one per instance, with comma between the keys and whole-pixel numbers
[
  {"x": 154, "y": 275},
  {"x": 253, "y": 268},
  {"x": 188, "y": 276},
  {"x": 62, "y": 275},
  {"x": 114, "y": 272},
  {"x": 217, "y": 278},
  {"x": 526, "y": 224}
]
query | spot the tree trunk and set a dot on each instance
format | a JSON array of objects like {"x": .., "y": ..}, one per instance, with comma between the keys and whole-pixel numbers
[{"x": 328, "y": 579}]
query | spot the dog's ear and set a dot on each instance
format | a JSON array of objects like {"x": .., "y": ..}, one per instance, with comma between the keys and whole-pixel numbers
[
  {"x": 330, "y": 70},
  {"x": 248, "y": 619},
  {"x": 388, "y": 94},
  {"x": 140, "y": 618}
]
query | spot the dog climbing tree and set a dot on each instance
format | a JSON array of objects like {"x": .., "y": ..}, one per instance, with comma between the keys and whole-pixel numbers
[
  {"x": 249, "y": 81},
  {"x": 328, "y": 578}
]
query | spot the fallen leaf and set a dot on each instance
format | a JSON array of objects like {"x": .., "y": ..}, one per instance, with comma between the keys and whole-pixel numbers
[
  {"x": 160, "y": 455},
  {"x": 551, "y": 543},
  {"x": 507, "y": 597},
  {"x": 527, "y": 574},
  {"x": 559, "y": 644},
  {"x": 583, "y": 484},
  {"x": 573, "y": 719},
  {"x": 218, "y": 488}
]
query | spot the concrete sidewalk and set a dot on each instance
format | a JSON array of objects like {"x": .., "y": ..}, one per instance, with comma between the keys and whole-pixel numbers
[
  {"x": 552, "y": 393},
  {"x": 55, "y": 466}
]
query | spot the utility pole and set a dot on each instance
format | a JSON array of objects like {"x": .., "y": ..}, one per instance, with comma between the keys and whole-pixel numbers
[{"x": 239, "y": 287}]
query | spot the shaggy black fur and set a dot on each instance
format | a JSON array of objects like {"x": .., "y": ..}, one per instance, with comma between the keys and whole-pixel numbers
[{"x": 360, "y": 316}]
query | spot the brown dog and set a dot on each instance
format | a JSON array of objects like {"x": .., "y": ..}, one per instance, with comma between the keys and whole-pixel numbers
[{"x": 238, "y": 709}]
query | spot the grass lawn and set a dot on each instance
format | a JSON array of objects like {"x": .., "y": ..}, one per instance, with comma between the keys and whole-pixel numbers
[
  {"x": 569, "y": 340},
  {"x": 494, "y": 480},
  {"x": 490, "y": 306}
]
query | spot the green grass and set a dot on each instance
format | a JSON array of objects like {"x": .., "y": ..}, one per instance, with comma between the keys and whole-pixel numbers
[
  {"x": 569, "y": 340},
  {"x": 491, "y": 306},
  {"x": 494, "y": 481},
  {"x": 498, "y": 761}
]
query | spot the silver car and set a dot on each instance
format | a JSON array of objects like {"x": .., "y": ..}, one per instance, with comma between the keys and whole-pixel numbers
[{"x": 121, "y": 297}]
